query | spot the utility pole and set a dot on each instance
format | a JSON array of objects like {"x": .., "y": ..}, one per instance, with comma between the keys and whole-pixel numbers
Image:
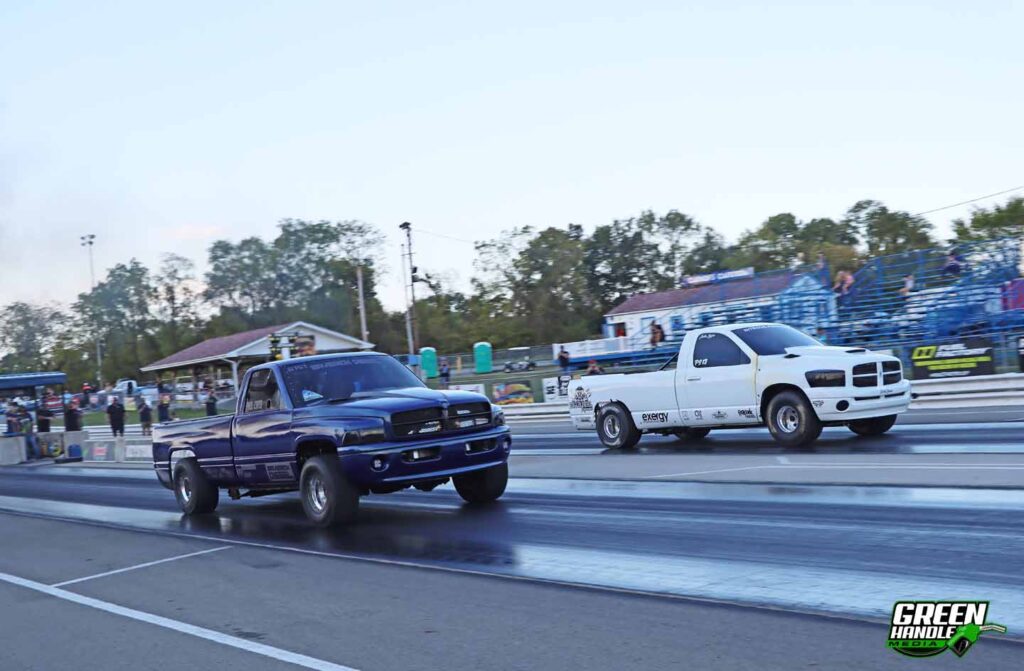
[
  {"x": 413, "y": 279},
  {"x": 362, "y": 303},
  {"x": 87, "y": 241},
  {"x": 408, "y": 312}
]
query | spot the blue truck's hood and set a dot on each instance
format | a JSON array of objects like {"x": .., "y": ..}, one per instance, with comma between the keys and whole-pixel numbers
[{"x": 385, "y": 403}]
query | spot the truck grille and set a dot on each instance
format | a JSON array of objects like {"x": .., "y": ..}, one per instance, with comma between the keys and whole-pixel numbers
[
  {"x": 865, "y": 375},
  {"x": 434, "y": 421},
  {"x": 892, "y": 372}
]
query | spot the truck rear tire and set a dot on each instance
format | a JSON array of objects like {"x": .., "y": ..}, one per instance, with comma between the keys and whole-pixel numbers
[
  {"x": 195, "y": 493},
  {"x": 791, "y": 420},
  {"x": 875, "y": 426},
  {"x": 691, "y": 433},
  {"x": 616, "y": 429},
  {"x": 482, "y": 486},
  {"x": 328, "y": 498}
]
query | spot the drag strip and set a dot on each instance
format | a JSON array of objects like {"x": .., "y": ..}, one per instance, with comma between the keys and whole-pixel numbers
[{"x": 850, "y": 550}]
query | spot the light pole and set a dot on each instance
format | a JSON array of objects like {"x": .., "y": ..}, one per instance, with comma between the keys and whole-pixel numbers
[{"x": 87, "y": 241}]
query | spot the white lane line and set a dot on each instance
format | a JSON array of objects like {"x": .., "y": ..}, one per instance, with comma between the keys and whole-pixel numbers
[
  {"x": 791, "y": 466},
  {"x": 138, "y": 566},
  {"x": 181, "y": 627}
]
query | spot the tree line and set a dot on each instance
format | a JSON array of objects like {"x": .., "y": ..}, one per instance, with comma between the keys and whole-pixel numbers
[{"x": 530, "y": 286}]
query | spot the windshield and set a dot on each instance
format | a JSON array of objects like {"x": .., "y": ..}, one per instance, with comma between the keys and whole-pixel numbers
[
  {"x": 774, "y": 339},
  {"x": 327, "y": 380}
]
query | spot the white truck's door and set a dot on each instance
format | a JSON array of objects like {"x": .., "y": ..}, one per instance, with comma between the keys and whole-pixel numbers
[{"x": 717, "y": 382}]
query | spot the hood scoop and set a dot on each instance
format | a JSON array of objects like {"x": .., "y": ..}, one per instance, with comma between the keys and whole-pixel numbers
[{"x": 856, "y": 350}]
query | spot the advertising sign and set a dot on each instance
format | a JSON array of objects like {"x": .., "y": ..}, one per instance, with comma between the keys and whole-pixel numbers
[
  {"x": 971, "y": 356},
  {"x": 557, "y": 388},
  {"x": 509, "y": 393}
]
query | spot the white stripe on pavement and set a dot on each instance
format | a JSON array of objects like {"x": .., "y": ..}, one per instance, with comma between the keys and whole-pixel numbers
[
  {"x": 138, "y": 566},
  {"x": 180, "y": 627}
]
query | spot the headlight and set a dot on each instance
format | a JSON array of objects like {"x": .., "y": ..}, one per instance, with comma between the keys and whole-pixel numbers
[
  {"x": 497, "y": 415},
  {"x": 826, "y": 378},
  {"x": 363, "y": 432}
]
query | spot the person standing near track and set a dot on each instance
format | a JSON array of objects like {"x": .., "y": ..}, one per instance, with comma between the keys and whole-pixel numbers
[
  {"x": 115, "y": 411},
  {"x": 145, "y": 417}
]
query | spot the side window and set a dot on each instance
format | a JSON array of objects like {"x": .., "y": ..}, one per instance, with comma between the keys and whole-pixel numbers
[
  {"x": 715, "y": 349},
  {"x": 262, "y": 393}
]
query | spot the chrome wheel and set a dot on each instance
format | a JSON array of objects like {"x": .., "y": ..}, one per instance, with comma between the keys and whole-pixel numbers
[
  {"x": 787, "y": 419},
  {"x": 611, "y": 426},
  {"x": 316, "y": 493},
  {"x": 184, "y": 488}
]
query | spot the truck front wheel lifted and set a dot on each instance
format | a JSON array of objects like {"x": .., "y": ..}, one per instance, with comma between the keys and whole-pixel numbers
[
  {"x": 327, "y": 496},
  {"x": 195, "y": 493},
  {"x": 482, "y": 486},
  {"x": 875, "y": 426},
  {"x": 791, "y": 419},
  {"x": 615, "y": 428}
]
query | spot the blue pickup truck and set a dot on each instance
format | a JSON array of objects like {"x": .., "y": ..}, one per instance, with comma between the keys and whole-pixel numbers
[{"x": 335, "y": 427}]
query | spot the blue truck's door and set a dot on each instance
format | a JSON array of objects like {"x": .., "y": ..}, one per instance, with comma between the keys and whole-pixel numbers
[{"x": 262, "y": 440}]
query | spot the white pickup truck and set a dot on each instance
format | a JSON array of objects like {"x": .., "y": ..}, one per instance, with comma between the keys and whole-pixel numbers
[{"x": 744, "y": 375}]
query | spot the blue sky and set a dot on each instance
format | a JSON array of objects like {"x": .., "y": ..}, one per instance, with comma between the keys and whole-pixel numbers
[{"x": 161, "y": 127}]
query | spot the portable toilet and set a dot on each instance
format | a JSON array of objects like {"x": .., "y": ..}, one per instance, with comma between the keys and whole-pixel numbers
[
  {"x": 428, "y": 359},
  {"x": 483, "y": 357}
]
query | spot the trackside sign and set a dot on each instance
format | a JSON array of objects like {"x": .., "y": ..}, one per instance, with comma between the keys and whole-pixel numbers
[{"x": 972, "y": 356}]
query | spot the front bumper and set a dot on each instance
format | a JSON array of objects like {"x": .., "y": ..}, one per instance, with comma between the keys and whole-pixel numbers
[
  {"x": 410, "y": 462},
  {"x": 860, "y": 402}
]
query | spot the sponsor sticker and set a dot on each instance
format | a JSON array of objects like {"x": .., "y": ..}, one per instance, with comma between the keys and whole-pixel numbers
[
  {"x": 654, "y": 418},
  {"x": 746, "y": 413},
  {"x": 580, "y": 401},
  {"x": 719, "y": 414},
  {"x": 697, "y": 414},
  {"x": 278, "y": 472}
]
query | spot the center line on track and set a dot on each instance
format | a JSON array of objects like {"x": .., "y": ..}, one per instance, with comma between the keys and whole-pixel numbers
[
  {"x": 138, "y": 566},
  {"x": 181, "y": 627}
]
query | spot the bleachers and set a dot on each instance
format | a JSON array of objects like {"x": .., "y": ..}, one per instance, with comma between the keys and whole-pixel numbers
[{"x": 942, "y": 304}]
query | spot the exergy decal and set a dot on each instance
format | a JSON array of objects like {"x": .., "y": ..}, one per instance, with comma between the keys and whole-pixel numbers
[
  {"x": 654, "y": 418},
  {"x": 928, "y": 628}
]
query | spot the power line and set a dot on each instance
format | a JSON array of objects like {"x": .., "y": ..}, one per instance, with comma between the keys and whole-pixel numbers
[
  {"x": 967, "y": 202},
  {"x": 449, "y": 237}
]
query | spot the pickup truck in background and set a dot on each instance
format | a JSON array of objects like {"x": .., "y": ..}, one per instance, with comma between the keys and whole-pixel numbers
[
  {"x": 745, "y": 375},
  {"x": 335, "y": 427}
]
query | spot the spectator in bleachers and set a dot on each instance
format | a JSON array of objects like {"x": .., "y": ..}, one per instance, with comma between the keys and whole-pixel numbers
[
  {"x": 593, "y": 368},
  {"x": 445, "y": 373},
  {"x": 657, "y": 334},
  {"x": 953, "y": 265},
  {"x": 908, "y": 285}
]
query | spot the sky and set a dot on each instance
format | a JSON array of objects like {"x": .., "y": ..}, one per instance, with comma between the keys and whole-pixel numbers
[{"x": 161, "y": 127}]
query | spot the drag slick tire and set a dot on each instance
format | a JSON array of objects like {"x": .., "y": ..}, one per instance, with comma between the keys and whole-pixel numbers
[
  {"x": 874, "y": 426},
  {"x": 791, "y": 419},
  {"x": 616, "y": 429},
  {"x": 327, "y": 496},
  {"x": 195, "y": 493},
  {"x": 691, "y": 433},
  {"x": 482, "y": 486}
]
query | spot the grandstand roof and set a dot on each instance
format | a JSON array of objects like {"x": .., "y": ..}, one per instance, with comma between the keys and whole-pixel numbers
[{"x": 718, "y": 292}]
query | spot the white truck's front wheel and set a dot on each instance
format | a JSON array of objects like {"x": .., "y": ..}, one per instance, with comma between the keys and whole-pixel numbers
[
  {"x": 874, "y": 426},
  {"x": 791, "y": 419},
  {"x": 616, "y": 429}
]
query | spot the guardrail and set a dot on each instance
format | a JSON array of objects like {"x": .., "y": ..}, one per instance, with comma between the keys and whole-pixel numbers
[{"x": 982, "y": 391}]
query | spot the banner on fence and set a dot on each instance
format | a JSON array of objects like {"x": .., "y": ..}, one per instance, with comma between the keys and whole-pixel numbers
[
  {"x": 557, "y": 388},
  {"x": 476, "y": 388},
  {"x": 969, "y": 357},
  {"x": 507, "y": 393}
]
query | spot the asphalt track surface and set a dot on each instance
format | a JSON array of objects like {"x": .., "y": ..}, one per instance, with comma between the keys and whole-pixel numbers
[{"x": 561, "y": 573}]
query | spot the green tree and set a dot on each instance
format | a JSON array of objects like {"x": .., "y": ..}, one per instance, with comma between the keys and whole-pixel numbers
[
  {"x": 177, "y": 304},
  {"x": 28, "y": 335},
  {"x": 886, "y": 231},
  {"x": 1001, "y": 221}
]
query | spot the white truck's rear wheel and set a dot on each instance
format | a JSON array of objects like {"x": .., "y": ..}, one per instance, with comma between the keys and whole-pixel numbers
[
  {"x": 193, "y": 490},
  {"x": 691, "y": 433},
  {"x": 874, "y": 426},
  {"x": 791, "y": 419},
  {"x": 327, "y": 496},
  {"x": 615, "y": 428}
]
